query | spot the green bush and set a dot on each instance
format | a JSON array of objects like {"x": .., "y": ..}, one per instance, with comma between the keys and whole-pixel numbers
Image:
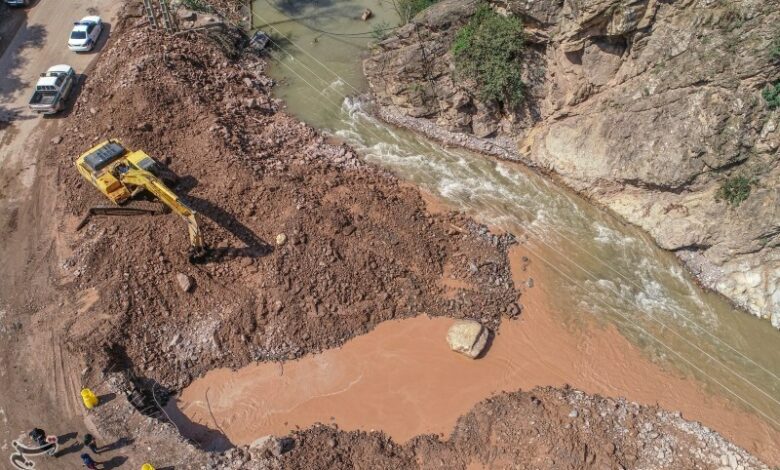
[
  {"x": 735, "y": 190},
  {"x": 772, "y": 95},
  {"x": 408, "y": 9},
  {"x": 489, "y": 50}
]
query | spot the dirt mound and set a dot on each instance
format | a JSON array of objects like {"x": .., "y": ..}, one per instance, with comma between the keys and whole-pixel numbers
[
  {"x": 360, "y": 248},
  {"x": 545, "y": 428}
]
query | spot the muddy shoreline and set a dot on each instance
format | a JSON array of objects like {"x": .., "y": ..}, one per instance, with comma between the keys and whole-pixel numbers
[{"x": 402, "y": 379}]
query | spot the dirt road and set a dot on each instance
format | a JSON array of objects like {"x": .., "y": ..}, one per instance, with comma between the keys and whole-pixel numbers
[
  {"x": 39, "y": 383},
  {"x": 39, "y": 43}
]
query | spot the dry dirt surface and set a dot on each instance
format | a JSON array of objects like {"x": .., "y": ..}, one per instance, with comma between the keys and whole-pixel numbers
[{"x": 545, "y": 428}]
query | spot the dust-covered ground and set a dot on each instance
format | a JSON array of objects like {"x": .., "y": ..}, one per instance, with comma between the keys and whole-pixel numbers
[{"x": 360, "y": 248}]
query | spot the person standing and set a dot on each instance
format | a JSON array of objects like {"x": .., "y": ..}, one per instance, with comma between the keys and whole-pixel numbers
[
  {"x": 39, "y": 436},
  {"x": 91, "y": 443},
  {"x": 88, "y": 462}
]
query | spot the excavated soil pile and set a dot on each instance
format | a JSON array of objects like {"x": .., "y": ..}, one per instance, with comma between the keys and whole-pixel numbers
[
  {"x": 360, "y": 248},
  {"x": 543, "y": 429}
]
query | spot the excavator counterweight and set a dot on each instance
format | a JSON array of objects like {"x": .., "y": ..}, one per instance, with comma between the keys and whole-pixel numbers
[{"x": 121, "y": 174}]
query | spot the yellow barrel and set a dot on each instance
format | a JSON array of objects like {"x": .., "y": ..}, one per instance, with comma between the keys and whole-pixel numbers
[
  {"x": 147, "y": 466},
  {"x": 89, "y": 398}
]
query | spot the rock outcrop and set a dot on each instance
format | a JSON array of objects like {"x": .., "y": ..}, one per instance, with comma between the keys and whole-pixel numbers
[{"x": 645, "y": 106}]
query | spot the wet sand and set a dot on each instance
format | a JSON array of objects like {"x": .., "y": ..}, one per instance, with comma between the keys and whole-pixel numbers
[{"x": 403, "y": 379}]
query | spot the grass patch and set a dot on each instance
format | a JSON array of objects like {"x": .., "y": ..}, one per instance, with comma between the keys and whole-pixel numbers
[
  {"x": 489, "y": 50},
  {"x": 380, "y": 30},
  {"x": 735, "y": 190}
]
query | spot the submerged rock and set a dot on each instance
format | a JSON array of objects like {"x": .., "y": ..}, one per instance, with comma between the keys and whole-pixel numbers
[{"x": 468, "y": 338}]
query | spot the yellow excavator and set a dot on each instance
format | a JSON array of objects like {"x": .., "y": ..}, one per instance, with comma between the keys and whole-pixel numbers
[{"x": 121, "y": 175}]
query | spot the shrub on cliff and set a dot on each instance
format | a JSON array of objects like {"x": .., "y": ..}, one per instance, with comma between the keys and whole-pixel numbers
[
  {"x": 772, "y": 95},
  {"x": 489, "y": 50},
  {"x": 735, "y": 190}
]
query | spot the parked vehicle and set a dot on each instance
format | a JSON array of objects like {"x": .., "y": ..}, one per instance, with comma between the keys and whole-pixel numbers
[
  {"x": 53, "y": 89},
  {"x": 85, "y": 34},
  {"x": 17, "y": 3}
]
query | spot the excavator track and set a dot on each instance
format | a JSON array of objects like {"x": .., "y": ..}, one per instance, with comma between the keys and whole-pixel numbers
[{"x": 122, "y": 211}]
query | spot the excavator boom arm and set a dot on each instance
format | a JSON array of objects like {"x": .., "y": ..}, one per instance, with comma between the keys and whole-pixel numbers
[{"x": 141, "y": 178}]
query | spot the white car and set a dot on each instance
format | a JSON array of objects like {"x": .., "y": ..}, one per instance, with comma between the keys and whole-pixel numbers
[{"x": 85, "y": 34}]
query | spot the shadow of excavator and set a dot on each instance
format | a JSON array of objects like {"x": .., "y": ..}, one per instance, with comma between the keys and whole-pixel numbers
[
  {"x": 254, "y": 246},
  {"x": 177, "y": 198}
]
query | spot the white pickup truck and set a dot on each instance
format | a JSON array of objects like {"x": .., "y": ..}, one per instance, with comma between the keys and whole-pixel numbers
[{"x": 53, "y": 89}]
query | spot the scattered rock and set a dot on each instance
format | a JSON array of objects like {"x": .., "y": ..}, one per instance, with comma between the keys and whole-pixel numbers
[
  {"x": 184, "y": 281},
  {"x": 56, "y": 140},
  {"x": 467, "y": 337},
  {"x": 281, "y": 239},
  {"x": 144, "y": 126},
  {"x": 367, "y": 13},
  {"x": 250, "y": 103}
]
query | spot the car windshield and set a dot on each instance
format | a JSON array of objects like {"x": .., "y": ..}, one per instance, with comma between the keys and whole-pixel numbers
[{"x": 78, "y": 35}]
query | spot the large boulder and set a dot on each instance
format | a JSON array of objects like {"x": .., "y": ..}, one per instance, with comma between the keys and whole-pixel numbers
[{"x": 468, "y": 338}]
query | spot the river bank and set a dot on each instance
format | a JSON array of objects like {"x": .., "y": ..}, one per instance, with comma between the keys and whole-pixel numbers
[{"x": 591, "y": 113}]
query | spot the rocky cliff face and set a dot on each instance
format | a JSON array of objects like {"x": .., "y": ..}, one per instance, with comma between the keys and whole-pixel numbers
[{"x": 646, "y": 106}]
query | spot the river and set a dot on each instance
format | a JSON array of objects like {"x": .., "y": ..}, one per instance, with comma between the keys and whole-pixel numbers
[{"x": 599, "y": 283}]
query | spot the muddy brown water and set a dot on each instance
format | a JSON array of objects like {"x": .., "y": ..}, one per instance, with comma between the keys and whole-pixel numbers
[
  {"x": 402, "y": 378},
  {"x": 609, "y": 312}
]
